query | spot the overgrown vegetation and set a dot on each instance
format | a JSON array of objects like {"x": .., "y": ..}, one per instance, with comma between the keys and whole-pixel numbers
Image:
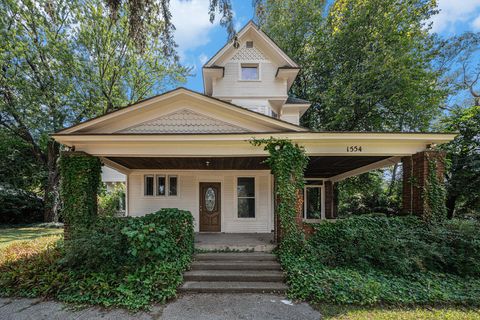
[
  {"x": 80, "y": 183},
  {"x": 127, "y": 262},
  {"x": 375, "y": 259},
  {"x": 287, "y": 162},
  {"x": 111, "y": 203}
]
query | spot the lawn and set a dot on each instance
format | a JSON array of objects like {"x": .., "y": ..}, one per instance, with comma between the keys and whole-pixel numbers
[
  {"x": 343, "y": 312},
  {"x": 9, "y": 235}
]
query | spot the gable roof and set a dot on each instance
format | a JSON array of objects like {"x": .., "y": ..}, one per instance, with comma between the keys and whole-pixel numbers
[
  {"x": 281, "y": 125},
  {"x": 251, "y": 27}
]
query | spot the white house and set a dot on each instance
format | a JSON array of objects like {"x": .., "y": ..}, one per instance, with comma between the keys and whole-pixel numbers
[{"x": 191, "y": 150}]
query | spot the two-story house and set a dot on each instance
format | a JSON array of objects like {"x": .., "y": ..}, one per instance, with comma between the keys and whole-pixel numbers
[{"x": 191, "y": 150}]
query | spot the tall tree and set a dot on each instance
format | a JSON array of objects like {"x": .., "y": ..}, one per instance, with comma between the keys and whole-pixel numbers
[
  {"x": 142, "y": 13},
  {"x": 368, "y": 64},
  {"x": 62, "y": 62}
]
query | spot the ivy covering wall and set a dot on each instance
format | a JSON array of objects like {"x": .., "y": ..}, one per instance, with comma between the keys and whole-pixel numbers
[
  {"x": 434, "y": 193},
  {"x": 287, "y": 162},
  {"x": 79, "y": 185}
]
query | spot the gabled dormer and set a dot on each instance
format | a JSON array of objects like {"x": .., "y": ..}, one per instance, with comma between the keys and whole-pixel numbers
[{"x": 253, "y": 72}]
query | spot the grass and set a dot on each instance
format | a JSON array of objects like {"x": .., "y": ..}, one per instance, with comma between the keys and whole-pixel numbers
[
  {"x": 348, "y": 312},
  {"x": 10, "y": 234}
]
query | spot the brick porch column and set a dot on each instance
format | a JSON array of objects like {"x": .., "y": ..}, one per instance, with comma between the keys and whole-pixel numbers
[
  {"x": 415, "y": 173},
  {"x": 330, "y": 206}
]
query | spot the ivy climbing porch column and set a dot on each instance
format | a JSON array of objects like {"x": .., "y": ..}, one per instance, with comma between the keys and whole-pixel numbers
[
  {"x": 423, "y": 184},
  {"x": 79, "y": 184}
]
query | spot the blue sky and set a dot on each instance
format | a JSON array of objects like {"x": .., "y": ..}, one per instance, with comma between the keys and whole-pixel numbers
[{"x": 198, "y": 39}]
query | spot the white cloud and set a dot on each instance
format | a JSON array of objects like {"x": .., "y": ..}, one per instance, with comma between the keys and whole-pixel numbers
[
  {"x": 192, "y": 24},
  {"x": 203, "y": 58},
  {"x": 476, "y": 23},
  {"x": 452, "y": 12}
]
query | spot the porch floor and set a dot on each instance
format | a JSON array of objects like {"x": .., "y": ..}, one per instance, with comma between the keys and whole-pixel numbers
[{"x": 218, "y": 241}]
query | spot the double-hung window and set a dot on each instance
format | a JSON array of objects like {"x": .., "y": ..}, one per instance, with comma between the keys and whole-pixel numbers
[{"x": 246, "y": 197}]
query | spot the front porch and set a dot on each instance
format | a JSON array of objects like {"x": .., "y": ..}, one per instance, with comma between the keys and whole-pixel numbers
[{"x": 220, "y": 241}]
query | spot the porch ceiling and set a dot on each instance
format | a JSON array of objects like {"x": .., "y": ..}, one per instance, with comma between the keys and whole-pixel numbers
[{"x": 318, "y": 167}]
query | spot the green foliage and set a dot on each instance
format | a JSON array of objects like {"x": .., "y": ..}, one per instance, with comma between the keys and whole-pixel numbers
[
  {"x": 368, "y": 193},
  {"x": 19, "y": 206},
  {"x": 400, "y": 260},
  {"x": 80, "y": 182},
  {"x": 115, "y": 264},
  {"x": 434, "y": 194},
  {"x": 287, "y": 162},
  {"x": 463, "y": 156},
  {"x": 366, "y": 65},
  {"x": 165, "y": 235},
  {"x": 67, "y": 61},
  {"x": 110, "y": 203},
  {"x": 400, "y": 245}
]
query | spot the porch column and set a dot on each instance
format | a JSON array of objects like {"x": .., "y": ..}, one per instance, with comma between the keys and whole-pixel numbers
[
  {"x": 330, "y": 206},
  {"x": 415, "y": 175},
  {"x": 79, "y": 183}
]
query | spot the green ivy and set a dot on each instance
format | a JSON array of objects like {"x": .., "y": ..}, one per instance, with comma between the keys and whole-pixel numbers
[
  {"x": 80, "y": 182},
  {"x": 287, "y": 162},
  {"x": 434, "y": 194}
]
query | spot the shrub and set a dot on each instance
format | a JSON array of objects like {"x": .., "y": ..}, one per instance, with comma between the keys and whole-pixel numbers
[
  {"x": 165, "y": 235},
  {"x": 400, "y": 245},
  {"x": 19, "y": 206},
  {"x": 111, "y": 203},
  {"x": 312, "y": 281}
]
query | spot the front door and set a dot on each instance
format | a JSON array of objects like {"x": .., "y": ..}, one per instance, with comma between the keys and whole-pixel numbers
[{"x": 210, "y": 206}]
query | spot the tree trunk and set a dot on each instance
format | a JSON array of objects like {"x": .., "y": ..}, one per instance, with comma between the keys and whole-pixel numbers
[
  {"x": 394, "y": 178},
  {"x": 51, "y": 197}
]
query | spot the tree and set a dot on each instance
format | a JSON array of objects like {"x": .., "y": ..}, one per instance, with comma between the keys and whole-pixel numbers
[
  {"x": 61, "y": 63},
  {"x": 142, "y": 13},
  {"x": 368, "y": 64}
]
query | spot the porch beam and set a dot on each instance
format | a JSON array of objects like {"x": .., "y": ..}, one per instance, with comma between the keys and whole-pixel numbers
[
  {"x": 115, "y": 165},
  {"x": 376, "y": 165}
]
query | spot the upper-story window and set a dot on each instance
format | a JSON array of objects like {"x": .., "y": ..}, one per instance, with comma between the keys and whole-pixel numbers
[{"x": 249, "y": 71}]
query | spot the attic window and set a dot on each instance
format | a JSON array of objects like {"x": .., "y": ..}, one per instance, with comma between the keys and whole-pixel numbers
[
  {"x": 249, "y": 44},
  {"x": 249, "y": 71}
]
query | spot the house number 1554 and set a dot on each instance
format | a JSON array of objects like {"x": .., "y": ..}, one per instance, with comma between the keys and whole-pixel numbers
[{"x": 354, "y": 149}]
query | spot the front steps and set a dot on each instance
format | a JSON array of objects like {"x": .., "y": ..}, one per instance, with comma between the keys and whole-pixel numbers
[{"x": 234, "y": 272}]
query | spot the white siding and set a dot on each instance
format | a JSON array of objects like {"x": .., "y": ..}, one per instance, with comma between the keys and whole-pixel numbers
[
  {"x": 188, "y": 197},
  {"x": 232, "y": 86}
]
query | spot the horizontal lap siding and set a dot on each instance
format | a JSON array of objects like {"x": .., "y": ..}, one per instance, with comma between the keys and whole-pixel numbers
[{"x": 188, "y": 197}]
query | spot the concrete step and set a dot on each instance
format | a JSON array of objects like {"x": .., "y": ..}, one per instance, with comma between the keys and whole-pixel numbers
[
  {"x": 250, "y": 256},
  {"x": 233, "y": 287},
  {"x": 234, "y": 275},
  {"x": 235, "y": 265}
]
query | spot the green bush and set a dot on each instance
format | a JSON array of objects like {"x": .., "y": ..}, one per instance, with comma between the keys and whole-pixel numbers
[
  {"x": 165, "y": 235},
  {"x": 110, "y": 203},
  {"x": 127, "y": 262},
  {"x": 398, "y": 260},
  {"x": 400, "y": 245},
  {"x": 312, "y": 281},
  {"x": 19, "y": 206}
]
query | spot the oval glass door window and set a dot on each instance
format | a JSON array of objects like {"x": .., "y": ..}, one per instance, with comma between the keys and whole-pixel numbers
[{"x": 210, "y": 199}]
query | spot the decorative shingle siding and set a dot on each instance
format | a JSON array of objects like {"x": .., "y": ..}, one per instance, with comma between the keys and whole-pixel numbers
[{"x": 185, "y": 121}]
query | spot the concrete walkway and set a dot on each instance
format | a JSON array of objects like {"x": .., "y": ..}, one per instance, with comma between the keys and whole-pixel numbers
[{"x": 186, "y": 307}]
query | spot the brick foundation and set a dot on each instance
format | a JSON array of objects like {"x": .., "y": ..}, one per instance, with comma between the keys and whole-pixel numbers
[{"x": 415, "y": 173}]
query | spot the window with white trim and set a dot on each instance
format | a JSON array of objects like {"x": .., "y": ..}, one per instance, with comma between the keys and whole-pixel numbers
[
  {"x": 172, "y": 185},
  {"x": 148, "y": 185},
  {"x": 160, "y": 185},
  {"x": 246, "y": 197},
  {"x": 249, "y": 71}
]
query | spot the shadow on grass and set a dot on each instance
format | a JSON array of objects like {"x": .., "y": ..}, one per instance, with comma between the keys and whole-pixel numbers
[{"x": 11, "y": 234}]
